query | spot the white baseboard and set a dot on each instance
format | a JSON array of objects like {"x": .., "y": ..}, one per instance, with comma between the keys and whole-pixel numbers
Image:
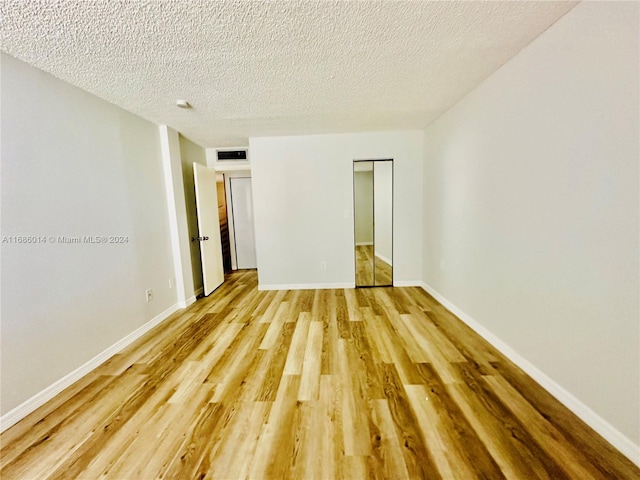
[
  {"x": 25, "y": 408},
  {"x": 407, "y": 283},
  {"x": 187, "y": 302},
  {"x": 384, "y": 259},
  {"x": 306, "y": 286},
  {"x": 616, "y": 438},
  {"x": 192, "y": 299},
  {"x": 360, "y": 244}
]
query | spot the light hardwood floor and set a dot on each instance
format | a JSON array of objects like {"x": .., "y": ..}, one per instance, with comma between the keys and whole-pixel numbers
[{"x": 324, "y": 384}]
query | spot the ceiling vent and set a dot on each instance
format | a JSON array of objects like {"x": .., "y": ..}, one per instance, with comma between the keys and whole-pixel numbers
[{"x": 226, "y": 155}]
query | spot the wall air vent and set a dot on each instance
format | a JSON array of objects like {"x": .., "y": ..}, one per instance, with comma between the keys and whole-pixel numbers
[{"x": 224, "y": 155}]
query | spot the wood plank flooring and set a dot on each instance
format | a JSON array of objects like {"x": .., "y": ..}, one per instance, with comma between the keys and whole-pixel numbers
[{"x": 308, "y": 384}]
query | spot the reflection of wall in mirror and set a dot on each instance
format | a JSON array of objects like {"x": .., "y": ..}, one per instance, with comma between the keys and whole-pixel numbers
[
  {"x": 383, "y": 208},
  {"x": 363, "y": 207}
]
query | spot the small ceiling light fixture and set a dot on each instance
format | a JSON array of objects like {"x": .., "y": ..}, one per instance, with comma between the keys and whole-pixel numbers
[{"x": 183, "y": 104}]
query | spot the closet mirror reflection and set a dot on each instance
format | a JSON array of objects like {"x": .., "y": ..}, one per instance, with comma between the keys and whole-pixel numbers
[{"x": 373, "y": 222}]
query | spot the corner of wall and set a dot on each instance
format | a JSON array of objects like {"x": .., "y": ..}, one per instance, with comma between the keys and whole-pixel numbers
[{"x": 172, "y": 164}]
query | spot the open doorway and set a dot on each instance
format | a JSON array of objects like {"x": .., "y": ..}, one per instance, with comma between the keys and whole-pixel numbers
[{"x": 224, "y": 222}]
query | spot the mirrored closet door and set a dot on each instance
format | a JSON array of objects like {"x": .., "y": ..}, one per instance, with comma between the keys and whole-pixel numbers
[{"x": 373, "y": 222}]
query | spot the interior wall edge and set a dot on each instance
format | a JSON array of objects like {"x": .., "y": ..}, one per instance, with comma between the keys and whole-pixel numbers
[
  {"x": 616, "y": 438},
  {"x": 170, "y": 148}
]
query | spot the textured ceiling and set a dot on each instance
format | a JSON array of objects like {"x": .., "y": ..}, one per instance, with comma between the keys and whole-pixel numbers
[{"x": 273, "y": 68}]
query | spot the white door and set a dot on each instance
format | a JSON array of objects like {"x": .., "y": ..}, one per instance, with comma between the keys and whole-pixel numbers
[
  {"x": 208, "y": 227},
  {"x": 242, "y": 211}
]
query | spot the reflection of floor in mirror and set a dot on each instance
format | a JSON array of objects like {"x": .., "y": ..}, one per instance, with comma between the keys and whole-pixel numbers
[{"x": 364, "y": 268}]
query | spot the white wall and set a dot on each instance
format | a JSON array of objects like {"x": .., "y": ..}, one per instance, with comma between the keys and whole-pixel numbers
[
  {"x": 73, "y": 164},
  {"x": 363, "y": 198},
  {"x": 531, "y": 222},
  {"x": 177, "y": 211},
  {"x": 191, "y": 152},
  {"x": 303, "y": 200}
]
